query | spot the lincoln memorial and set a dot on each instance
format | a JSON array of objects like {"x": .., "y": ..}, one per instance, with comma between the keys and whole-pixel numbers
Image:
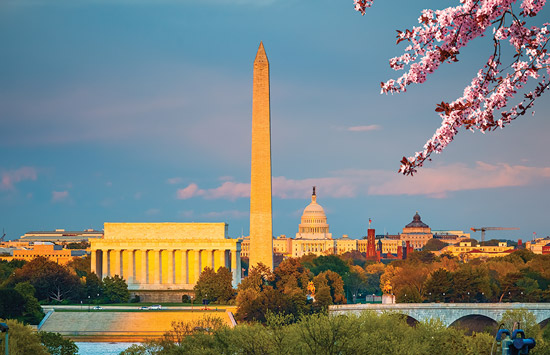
[{"x": 163, "y": 261}]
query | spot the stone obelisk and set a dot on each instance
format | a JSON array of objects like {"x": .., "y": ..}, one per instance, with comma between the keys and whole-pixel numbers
[{"x": 261, "y": 224}]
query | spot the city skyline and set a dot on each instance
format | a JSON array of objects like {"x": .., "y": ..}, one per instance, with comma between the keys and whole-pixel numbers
[{"x": 141, "y": 112}]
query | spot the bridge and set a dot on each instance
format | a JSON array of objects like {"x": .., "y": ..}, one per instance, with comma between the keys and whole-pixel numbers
[{"x": 448, "y": 313}]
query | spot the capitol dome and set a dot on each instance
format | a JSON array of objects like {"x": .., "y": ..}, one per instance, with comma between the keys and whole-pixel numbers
[{"x": 314, "y": 221}]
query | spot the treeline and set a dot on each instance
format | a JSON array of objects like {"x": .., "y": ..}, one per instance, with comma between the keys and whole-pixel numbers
[
  {"x": 521, "y": 276},
  {"x": 368, "y": 333},
  {"x": 23, "y": 340},
  {"x": 24, "y": 285},
  {"x": 423, "y": 277}
]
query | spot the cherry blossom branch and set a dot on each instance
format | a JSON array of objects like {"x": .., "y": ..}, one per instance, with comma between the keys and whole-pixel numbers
[{"x": 484, "y": 103}]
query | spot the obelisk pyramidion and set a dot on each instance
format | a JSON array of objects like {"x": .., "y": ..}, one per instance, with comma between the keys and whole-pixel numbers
[{"x": 261, "y": 224}]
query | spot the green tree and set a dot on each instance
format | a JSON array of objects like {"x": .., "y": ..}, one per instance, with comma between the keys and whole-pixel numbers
[
  {"x": 7, "y": 268},
  {"x": 23, "y": 340},
  {"x": 434, "y": 245},
  {"x": 57, "y": 344},
  {"x": 80, "y": 266},
  {"x": 115, "y": 290},
  {"x": 12, "y": 303},
  {"x": 328, "y": 262},
  {"x": 214, "y": 286},
  {"x": 438, "y": 286},
  {"x": 32, "y": 312},
  {"x": 94, "y": 286},
  {"x": 51, "y": 280}
]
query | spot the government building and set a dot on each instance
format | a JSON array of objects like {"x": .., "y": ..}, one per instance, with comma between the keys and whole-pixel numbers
[{"x": 163, "y": 261}]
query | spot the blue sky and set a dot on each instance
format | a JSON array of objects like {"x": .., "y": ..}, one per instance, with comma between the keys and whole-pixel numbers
[{"x": 140, "y": 111}]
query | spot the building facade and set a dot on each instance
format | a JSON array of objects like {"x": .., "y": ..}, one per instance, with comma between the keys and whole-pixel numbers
[
  {"x": 417, "y": 233},
  {"x": 163, "y": 261},
  {"x": 61, "y": 236},
  {"x": 465, "y": 251},
  {"x": 47, "y": 250}
]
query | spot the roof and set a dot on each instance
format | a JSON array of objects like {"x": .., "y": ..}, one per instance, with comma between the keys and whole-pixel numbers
[{"x": 417, "y": 222}]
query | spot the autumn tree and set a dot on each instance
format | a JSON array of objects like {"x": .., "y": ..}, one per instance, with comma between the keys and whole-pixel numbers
[
  {"x": 485, "y": 104},
  {"x": 333, "y": 281}
]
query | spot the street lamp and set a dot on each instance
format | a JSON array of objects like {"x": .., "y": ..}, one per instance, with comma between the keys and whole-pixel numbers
[{"x": 4, "y": 329}]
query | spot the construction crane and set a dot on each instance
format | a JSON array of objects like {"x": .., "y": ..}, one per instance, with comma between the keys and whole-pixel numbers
[
  {"x": 3, "y": 235},
  {"x": 483, "y": 229}
]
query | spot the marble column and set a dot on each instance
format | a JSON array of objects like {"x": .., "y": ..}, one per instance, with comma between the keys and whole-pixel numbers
[
  {"x": 157, "y": 267},
  {"x": 234, "y": 270},
  {"x": 131, "y": 267},
  {"x": 117, "y": 269},
  {"x": 93, "y": 255},
  {"x": 209, "y": 259},
  {"x": 144, "y": 263},
  {"x": 170, "y": 267},
  {"x": 184, "y": 267},
  {"x": 105, "y": 261},
  {"x": 223, "y": 260},
  {"x": 198, "y": 265}
]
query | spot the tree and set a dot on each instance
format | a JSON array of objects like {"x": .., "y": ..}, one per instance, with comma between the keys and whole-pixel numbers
[
  {"x": 485, "y": 103},
  {"x": 214, "y": 286},
  {"x": 57, "y": 344},
  {"x": 94, "y": 286},
  {"x": 12, "y": 303},
  {"x": 7, "y": 268},
  {"x": 50, "y": 279},
  {"x": 23, "y": 340},
  {"x": 80, "y": 266},
  {"x": 434, "y": 245},
  {"x": 328, "y": 262},
  {"x": 32, "y": 312},
  {"x": 291, "y": 271},
  {"x": 115, "y": 289},
  {"x": 334, "y": 283},
  {"x": 438, "y": 286}
]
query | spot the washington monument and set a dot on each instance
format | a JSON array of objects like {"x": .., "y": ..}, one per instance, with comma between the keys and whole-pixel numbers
[{"x": 261, "y": 221}]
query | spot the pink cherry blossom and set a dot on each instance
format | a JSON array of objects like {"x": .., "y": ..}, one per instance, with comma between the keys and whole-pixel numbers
[{"x": 485, "y": 104}]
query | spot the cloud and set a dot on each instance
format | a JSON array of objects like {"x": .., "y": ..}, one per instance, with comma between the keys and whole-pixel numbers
[
  {"x": 432, "y": 182},
  {"x": 174, "y": 180},
  {"x": 372, "y": 127},
  {"x": 58, "y": 196},
  {"x": 186, "y": 214},
  {"x": 12, "y": 177},
  {"x": 213, "y": 215},
  {"x": 190, "y": 191},
  {"x": 438, "y": 182},
  {"x": 228, "y": 190},
  {"x": 152, "y": 212},
  {"x": 236, "y": 214}
]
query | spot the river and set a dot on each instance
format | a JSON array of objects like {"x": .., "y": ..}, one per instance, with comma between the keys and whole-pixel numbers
[{"x": 102, "y": 348}]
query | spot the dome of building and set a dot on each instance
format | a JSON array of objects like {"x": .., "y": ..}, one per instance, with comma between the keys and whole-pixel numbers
[
  {"x": 314, "y": 209},
  {"x": 314, "y": 221},
  {"x": 417, "y": 222}
]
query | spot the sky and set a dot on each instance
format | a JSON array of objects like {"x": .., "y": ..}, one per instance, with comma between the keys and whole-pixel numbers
[{"x": 140, "y": 111}]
